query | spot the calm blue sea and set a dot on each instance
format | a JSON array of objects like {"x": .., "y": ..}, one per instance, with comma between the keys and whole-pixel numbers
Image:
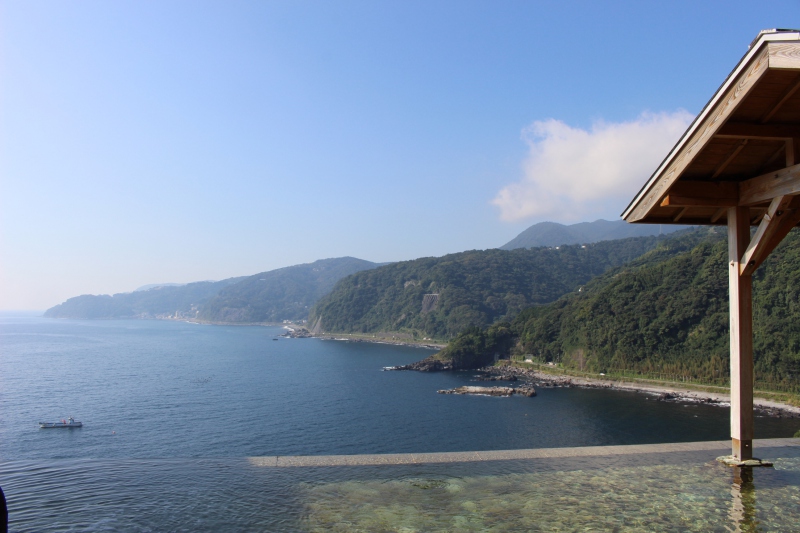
[
  {"x": 160, "y": 389},
  {"x": 160, "y": 400}
]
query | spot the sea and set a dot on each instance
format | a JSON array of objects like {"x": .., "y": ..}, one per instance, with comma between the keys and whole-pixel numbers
[{"x": 161, "y": 401}]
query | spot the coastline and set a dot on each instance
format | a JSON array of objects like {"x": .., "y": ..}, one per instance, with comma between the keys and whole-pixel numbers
[
  {"x": 349, "y": 337},
  {"x": 665, "y": 392},
  {"x": 297, "y": 331}
]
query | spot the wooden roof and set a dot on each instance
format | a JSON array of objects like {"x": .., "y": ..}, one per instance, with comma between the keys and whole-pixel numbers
[{"x": 740, "y": 150}]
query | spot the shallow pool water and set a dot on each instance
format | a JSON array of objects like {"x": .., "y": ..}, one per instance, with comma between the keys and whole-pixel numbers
[
  {"x": 627, "y": 488},
  {"x": 700, "y": 496}
]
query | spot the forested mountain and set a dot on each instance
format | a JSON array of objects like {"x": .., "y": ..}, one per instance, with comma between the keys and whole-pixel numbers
[
  {"x": 160, "y": 301},
  {"x": 664, "y": 313},
  {"x": 555, "y": 234},
  {"x": 440, "y": 296},
  {"x": 282, "y": 294}
]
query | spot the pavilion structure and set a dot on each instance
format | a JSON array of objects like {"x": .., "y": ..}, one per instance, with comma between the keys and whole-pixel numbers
[{"x": 737, "y": 165}]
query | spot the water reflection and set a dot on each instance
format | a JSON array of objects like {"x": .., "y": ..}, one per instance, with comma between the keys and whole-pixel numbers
[{"x": 743, "y": 500}]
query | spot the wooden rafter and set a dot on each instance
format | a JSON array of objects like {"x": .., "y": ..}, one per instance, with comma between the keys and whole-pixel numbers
[
  {"x": 721, "y": 211},
  {"x": 749, "y": 130},
  {"x": 788, "y": 94},
  {"x": 739, "y": 147}
]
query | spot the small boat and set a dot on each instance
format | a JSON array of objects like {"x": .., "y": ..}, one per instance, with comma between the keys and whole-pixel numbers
[{"x": 68, "y": 423}]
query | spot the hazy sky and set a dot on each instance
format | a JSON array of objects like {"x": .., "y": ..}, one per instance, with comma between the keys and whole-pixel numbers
[{"x": 145, "y": 142}]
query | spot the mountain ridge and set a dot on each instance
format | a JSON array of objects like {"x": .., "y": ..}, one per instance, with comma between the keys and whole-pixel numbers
[
  {"x": 188, "y": 301},
  {"x": 556, "y": 234}
]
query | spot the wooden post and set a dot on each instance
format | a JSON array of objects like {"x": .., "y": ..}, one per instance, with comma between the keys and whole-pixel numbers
[{"x": 740, "y": 287}]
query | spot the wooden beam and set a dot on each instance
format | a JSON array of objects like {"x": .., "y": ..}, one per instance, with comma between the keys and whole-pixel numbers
[
  {"x": 784, "y": 55},
  {"x": 702, "y": 194},
  {"x": 740, "y": 290},
  {"x": 718, "y": 215},
  {"x": 758, "y": 190},
  {"x": 753, "y": 130},
  {"x": 789, "y": 219},
  {"x": 706, "y": 189},
  {"x": 756, "y": 251},
  {"x": 768, "y": 186},
  {"x": 672, "y": 200}
]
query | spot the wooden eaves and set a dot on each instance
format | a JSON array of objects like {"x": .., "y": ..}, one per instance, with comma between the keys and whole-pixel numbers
[{"x": 736, "y": 166}]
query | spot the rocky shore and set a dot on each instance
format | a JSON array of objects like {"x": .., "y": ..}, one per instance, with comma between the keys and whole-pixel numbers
[
  {"x": 531, "y": 378},
  {"x": 298, "y": 333},
  {"x": 659, "y": 392}
]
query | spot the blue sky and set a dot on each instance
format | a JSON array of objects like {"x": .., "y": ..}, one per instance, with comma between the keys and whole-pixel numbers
[{"x": 145, "y": 142}]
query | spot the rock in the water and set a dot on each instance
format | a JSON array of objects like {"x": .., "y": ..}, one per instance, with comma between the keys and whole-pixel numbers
[
  {"x": 484, "y": 391},
  {"x": 524, "y": 390},
  {"x": 429, "y": 364}
]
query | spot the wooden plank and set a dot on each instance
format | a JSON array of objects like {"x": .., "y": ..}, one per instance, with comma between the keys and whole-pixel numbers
[
  {"x": 756, "y": 251},
  {"x": 706, "y": 189},
  {"x": 784, "y": 55},
  {"x": 750, "y": 130},
  {"x": 712, "y": 122},
  {"x": 673, "y": 200},
  {"x": 768, "y": 186},
  {"x": 740, "y": 291}
]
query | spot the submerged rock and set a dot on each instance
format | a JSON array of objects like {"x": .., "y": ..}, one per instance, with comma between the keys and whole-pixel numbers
[
  {"x": 525, "y": 390},
  {"x": 483, "y": 391}
]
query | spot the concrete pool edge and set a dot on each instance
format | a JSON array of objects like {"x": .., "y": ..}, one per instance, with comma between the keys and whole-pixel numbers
[{"x": 505, "y": 455}]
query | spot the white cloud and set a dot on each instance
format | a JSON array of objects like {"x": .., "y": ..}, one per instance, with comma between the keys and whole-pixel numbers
[{"x": 574, "y": 174}]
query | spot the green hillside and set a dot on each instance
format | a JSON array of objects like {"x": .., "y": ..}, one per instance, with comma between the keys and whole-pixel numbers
[
  {"x": 666, "y": 314},
  {"x": 439, "y": 297},
  {"x": 282, "y": 294}
]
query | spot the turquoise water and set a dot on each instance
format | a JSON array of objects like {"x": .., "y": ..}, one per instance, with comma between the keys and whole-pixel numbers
[{"x": 670, "y": 492}]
